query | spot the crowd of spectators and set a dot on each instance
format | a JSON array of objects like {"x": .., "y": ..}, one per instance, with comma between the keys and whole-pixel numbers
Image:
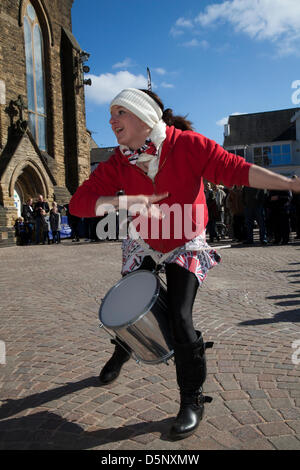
[
  {"x": 40, "y": 224},
  {"x": 233, "y": 213},
  {"x": 37, "y": 221}
]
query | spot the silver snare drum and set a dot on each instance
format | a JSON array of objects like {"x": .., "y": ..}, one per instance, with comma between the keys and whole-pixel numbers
[{"x": 135, "y": 309}]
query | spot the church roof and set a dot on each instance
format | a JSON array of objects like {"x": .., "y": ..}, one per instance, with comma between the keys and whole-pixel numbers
[{"x": 101, "y": 154}]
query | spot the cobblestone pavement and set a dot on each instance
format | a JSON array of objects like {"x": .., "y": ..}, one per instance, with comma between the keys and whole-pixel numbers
[{"x": 49, "y": 395}]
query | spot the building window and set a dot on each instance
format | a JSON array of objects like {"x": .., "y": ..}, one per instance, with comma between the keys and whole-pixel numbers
[
  {"x": 272, "y": 155},
  {"x": 281, "y": 154},
  {"x": 238, "y": 151},
  {"x": 37, "y": 118},
  {"x": 261, "y": 156}
]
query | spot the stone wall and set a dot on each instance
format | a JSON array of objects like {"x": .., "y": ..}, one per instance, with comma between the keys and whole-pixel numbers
[{"x": 53, "y": 15}]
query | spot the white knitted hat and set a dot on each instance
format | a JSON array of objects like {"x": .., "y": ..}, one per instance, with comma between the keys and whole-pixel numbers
[{"x": 140, "y": 104}]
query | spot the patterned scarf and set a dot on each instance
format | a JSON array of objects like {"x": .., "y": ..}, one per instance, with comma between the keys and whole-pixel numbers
[
  {"x": 147, "y": 149},
  {"x": 150, "y": 151}
]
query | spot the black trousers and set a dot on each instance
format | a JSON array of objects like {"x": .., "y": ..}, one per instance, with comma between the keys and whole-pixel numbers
[{"x": 182, "y": 286}]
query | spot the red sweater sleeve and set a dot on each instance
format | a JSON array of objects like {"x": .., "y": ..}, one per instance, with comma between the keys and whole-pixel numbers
[
  {"x": 104, "y": 181},
  {"x": 214, "y": 163}
]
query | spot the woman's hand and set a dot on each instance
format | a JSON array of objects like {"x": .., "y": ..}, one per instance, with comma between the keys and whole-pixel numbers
[
  {"x": 143, "y": 205},
  {"x": 135, "y": 205}
]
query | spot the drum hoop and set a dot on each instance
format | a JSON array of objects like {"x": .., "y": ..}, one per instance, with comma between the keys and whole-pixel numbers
[
  {"x": 155, "y": 362},
  {"x": 146, "y": 309}
]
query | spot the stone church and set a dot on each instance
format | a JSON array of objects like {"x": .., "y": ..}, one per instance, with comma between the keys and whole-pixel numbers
[{"x": 44, "y": 143}]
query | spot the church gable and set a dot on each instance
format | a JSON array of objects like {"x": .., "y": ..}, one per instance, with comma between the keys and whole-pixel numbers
[{"x": 37, "y": 123}]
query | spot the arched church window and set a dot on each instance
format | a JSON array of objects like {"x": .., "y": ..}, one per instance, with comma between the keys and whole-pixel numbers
[{"x": 35, "y": 74}]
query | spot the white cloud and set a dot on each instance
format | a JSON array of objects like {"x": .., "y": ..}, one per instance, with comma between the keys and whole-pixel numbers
[
  {"x": 196, "y": 43},
  {"x": 184, "y": 23},
  {"x": 224, "y": 120},
  {"x": 174, "y": 31},
  {"x": 180, "y": 25},
  {"x": 160, "y": 71},
  {"x": 123, "y": 65},
  {"x": 275, "y": 20},
  {"x": 105, "y": 86},
  {"x": 166, "y": 85},
  {"x": 192, "y": 43}
]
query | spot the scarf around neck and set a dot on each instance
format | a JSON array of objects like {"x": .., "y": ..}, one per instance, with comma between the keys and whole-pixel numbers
[{"x": 150, "y": 151}]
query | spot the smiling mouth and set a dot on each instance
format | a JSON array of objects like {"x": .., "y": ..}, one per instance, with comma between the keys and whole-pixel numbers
[{"x": 118, "y": 130}]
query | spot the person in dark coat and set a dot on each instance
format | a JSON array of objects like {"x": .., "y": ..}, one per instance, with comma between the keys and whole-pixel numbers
[
  {"x": 55, "y": 224},
  {"x": 20, "y": 231},
  {"x": 295, "y": 208},
  {"x": 279, "y": 207},
  {"x": 254, "y": 200},
  {"x": 29, "y": 220},
  {"x": 73, "y": 222},
  {"x": 39, "y": 206},
  {"x": 237, "y": 210},
  {"x": 212, "y": 212}
]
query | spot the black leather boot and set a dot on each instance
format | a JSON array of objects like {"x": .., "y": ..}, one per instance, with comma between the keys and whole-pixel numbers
[
  {"x": 190, "y": 364},
  {"x": 113, "y": 367}
]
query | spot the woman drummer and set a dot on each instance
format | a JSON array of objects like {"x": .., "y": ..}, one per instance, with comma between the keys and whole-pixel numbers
[{"x": 161, "y": 162}]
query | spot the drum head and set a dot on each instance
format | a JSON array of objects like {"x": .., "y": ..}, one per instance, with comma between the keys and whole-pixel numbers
[{"x": 131, "y": 298}]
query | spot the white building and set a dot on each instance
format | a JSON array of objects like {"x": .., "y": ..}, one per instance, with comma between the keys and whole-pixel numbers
[{"x": 269, "y": 139}]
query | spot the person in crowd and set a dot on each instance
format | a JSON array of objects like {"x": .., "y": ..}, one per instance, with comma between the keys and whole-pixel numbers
[
  {"x": 73, "y": 223},
  {"x": 39, "y": 207},
  {"x": 279, "y": 206},
  {"x": 220, "y": 200},
  {"x": 295, "y": 206},
  {"x": 161, "y": 161},
  {"x": 21, "y": 231},
  {"x": 93, "y": 229},
  {"x": 237, "y": 210},
  {"x": 55, "y": 223},
  {"x": 254, "y": 201},
  {"x": 45, "y": 226},
  {"x": 28, "y": 216},
  {"x": 227, "y": 214},
  {"x": 212, "y": 212}
]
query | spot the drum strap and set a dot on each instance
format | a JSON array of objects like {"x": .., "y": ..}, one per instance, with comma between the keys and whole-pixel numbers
[{"x": 147, "y": 249}]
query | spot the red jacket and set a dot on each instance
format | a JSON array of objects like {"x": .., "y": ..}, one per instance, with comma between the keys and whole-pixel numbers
[{"x": 186, "y": 158}]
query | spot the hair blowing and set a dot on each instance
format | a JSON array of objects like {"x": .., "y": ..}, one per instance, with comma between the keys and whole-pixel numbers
[{"x": 180, "y": 122}]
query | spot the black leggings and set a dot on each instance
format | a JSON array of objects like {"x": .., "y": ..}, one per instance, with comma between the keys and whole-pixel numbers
[{"x": 182, "y": 286}]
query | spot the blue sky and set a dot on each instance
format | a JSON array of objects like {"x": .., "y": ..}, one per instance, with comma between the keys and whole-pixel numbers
[{"x": 208, "y": 59}]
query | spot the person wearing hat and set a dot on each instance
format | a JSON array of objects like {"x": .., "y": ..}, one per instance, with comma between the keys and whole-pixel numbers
[{"x": 160, "y": 164}]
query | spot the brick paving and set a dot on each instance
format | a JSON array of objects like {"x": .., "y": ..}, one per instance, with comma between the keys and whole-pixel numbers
[{"x": 49, "y": 392}]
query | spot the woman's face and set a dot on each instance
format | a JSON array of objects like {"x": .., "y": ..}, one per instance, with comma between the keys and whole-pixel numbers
[{"x": 128, "y": 128}]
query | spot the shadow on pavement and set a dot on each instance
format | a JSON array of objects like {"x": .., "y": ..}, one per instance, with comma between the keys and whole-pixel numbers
[
  {"x": 291, "y": 316},
  {"x": 287, "y": 296},
  {"x": 288, "y": 303},
  {"x": 14, "y": 406},
  {"x": 289, "y": 271},
  {"x": 45, "y": 430}
]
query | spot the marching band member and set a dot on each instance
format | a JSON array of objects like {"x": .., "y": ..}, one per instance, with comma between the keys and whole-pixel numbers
[{"x": 161, "y": 162}]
